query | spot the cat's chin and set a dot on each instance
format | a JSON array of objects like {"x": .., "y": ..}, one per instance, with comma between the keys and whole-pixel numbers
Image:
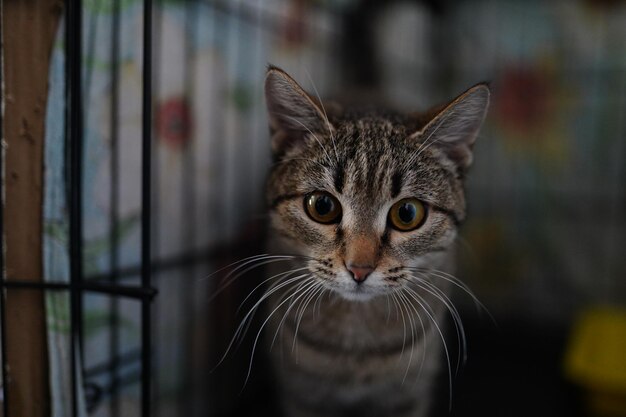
[{"x": 358, "y": 295}]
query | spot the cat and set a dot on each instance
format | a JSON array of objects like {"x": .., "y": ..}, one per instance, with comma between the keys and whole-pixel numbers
[{"x": 364, "y": 208}]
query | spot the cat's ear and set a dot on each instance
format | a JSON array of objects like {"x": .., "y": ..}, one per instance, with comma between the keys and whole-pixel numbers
[
  {"x": 293, "y": 113},
  {"x": 454, "y": 127}
]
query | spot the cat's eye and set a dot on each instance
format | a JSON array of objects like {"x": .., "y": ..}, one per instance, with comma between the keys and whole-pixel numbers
[
  {"x": 322, "y": 207},
  {"x": 407, "y": 214}
]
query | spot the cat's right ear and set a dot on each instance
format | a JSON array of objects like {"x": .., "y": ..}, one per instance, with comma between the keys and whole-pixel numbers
[
  {"x": 454, "y": 126},
  {"x": 293, "y": 114}
]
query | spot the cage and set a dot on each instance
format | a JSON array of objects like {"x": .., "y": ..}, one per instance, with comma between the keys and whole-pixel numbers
[{"x": 134, "y": 166}]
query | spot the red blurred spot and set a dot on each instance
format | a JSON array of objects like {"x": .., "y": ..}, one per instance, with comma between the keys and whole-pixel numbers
[
  {"x": 523, "y": 99},
  {"x": 173, "y": 121}
]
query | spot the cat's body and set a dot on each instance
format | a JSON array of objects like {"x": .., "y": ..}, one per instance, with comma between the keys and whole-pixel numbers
[
  {"x": 368, "y": 203},
  {"x": 355, "y": 359}
]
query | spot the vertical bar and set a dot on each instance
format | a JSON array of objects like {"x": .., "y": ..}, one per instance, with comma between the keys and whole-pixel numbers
[
  {"x": 114, "y": 217},
  {"x": 73, "y": 132},
  {"x": 155, "y": 238},
  {"x": 26, "y": 80},
  {"x": 3, "y": 343},
  {"x": 146, "y": 362}
]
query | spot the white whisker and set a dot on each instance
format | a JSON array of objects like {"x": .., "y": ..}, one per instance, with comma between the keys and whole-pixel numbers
[
  {"x": 423, "y": 332},
  {"x": 280, "y": 275},
  {"x": 330, "y": 161},
  {"x": 282, "y": 321},
  {"x": 395, "y": 298},
  {"x": 404, "y": 301},
  {"x": 312, "y": 291},
  {"x": 422, "y": 303},
  {"x": 330, "y": 130},
  {"x": 256, "y": 339},
  {"x": 230, "y": 278},
  {"x": 251, "y": 312},
  {"x": 249, "y": 258},
  {"x": 456, "y": 317},
  {"x": 458, "y": 283}
]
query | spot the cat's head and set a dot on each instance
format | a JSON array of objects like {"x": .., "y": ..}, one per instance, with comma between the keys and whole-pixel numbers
[{"x": 366, "y": 196}]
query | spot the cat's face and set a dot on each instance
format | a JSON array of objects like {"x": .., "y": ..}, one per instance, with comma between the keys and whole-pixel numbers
[{"x": 366, "y": 197}]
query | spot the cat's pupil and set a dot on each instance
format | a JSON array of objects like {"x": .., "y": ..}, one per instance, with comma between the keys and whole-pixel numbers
[
  {"x": 407, "y": 212},
  {"x": 324, "y": 205}
]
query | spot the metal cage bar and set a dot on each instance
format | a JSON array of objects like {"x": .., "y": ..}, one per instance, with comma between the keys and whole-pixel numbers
[
  {"x": 77, "y": 285},
  {"x": 74, "y": 147},
  {"x": 146, "y": 219}
]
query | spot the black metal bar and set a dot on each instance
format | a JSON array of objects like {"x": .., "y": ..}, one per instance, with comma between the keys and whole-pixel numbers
[
  {"x": 140, "y": 293},
  {"x": 146, "y": 223},
  {"x": 114, "y": 218},
  {"x": 156, "y": 236},
  {"x": 3, "y": 342},
  {"x": 74, "y": 133},
  {"x": 210, "y": 255}
]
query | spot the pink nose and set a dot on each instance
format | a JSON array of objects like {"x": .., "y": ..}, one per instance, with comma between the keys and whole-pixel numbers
[{"x": 360, "y": 273}]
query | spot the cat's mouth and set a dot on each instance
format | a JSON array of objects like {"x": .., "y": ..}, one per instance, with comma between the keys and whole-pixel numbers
[{"x": 359, "y": 293}]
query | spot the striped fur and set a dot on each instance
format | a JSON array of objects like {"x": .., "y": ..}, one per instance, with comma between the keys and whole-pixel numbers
[{"x": 371, "y": 349}]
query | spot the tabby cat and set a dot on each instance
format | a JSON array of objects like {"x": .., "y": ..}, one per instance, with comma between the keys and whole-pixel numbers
[{"x": 364, "y": 208}]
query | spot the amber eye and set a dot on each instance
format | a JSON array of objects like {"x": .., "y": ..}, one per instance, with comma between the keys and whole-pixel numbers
[
  {"x": 407, "y": 214},
  {"x": 322, "y": 207}
]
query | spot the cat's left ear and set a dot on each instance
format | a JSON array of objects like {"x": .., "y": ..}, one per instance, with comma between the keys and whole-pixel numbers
[
  {"x": 293, "y": 113},
  {"x": 454, "y": 128}
]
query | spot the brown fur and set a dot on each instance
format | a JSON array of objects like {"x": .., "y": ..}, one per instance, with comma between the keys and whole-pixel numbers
[{"x": 368, "y": 348}]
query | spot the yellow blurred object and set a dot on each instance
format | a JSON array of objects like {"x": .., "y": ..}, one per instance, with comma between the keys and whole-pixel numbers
[{"x": 596, "y": 360}]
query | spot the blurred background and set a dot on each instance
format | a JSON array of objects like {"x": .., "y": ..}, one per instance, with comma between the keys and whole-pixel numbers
[{"x": 543, "y": 248}]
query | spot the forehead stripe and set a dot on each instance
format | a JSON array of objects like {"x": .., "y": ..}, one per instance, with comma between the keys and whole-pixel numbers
[
  {"x": 396, "y": 184},
  {"x": 339, "y": 177},
  {"x": 449, "y": 213},
  {"x": 282, "y": 198}
]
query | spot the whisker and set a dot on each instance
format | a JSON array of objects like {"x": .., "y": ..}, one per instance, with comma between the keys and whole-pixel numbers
[
  {"x": 404, "y": 301},
  {"x": 273, "y": 289},
  {"x": 268, "y": 291},
  {"x": 282, "y": 321},
  {"x": 313, "y": 291},
  {"x": 423, "y": 331},
  {"x": 318, "y": 302},
  {"x": 330, "y": 161},
  {"x": 422, "y": 303},
  {"x": 256, "y": 339},
  {"x": 456, "y": 317},
  {"x": 330, "y": 130},
  {"x": 229, "y": 279},
  {"x": 425, "y": 145},
  {"x": 251, "y": 313},
  {"x": 238, "y": 262},
  {"x": 398, "y": 308},
  {"x": 282, "y": 274},
  {"x": 460, "y": 284}
]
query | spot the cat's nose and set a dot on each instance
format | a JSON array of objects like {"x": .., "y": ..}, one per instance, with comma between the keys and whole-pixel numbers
[{"x": 360, "y": 273}]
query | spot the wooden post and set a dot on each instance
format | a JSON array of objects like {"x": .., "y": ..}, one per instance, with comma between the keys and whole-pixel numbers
[{"x": 28, "y": 32}]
